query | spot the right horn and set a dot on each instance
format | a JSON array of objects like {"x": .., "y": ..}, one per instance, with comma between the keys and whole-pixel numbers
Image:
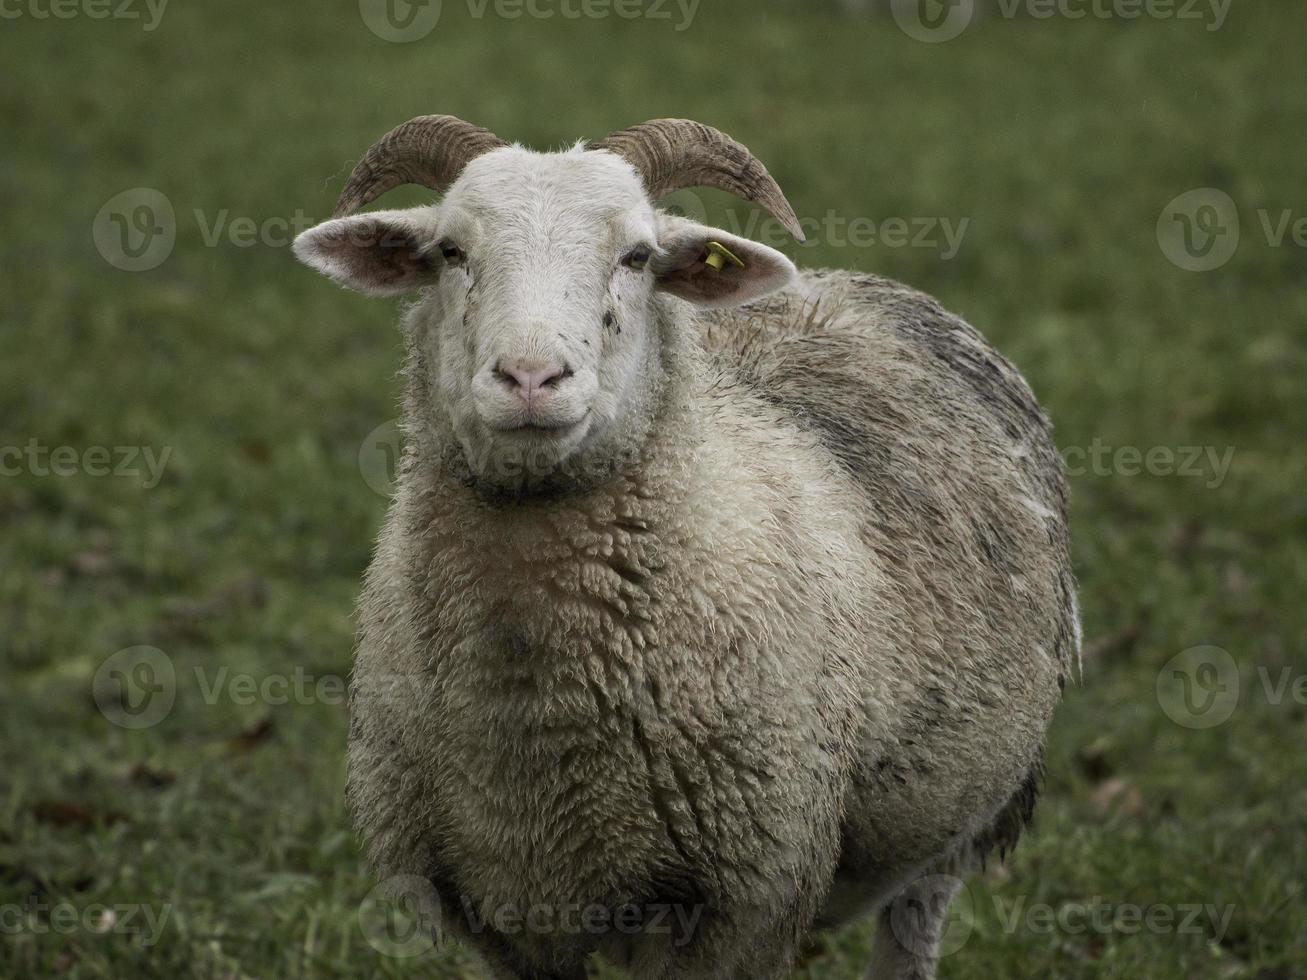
[
  {"x": 429, "y": 150},
  {"x": 672, "y": 154}
]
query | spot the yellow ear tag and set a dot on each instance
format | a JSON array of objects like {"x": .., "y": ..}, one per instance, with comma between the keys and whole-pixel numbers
[{"x": 719, "y": 255}]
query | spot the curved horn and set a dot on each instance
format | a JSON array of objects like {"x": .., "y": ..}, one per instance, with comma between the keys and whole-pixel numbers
[
  {"x": 429, "y": 150},
  {"x": 671, "y": 154}
]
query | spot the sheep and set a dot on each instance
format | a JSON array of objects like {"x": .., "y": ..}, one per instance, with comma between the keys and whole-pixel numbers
[{"x": 717, "y": 603}]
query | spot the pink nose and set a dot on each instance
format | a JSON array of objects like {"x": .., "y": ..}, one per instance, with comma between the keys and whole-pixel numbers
[{"x": 528, "y": 377}]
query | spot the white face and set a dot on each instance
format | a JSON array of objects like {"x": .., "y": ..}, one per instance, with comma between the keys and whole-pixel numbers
[
  {"x": 542, "y": 304},
  {"x": 537, "y": 323}
]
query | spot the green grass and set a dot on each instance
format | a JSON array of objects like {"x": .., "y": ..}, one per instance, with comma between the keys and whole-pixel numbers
[{"x": 1060, "y": 140}]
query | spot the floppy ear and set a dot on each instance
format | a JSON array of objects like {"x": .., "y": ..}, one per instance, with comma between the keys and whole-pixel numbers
[
  {"x": 711, "y": 267},
  {"x": 382, "y": 253}
]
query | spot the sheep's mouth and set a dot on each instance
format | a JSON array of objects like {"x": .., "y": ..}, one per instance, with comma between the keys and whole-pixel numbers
[
  {"x": 542, "y": 427},
  {"x": 538, "y": 428}
]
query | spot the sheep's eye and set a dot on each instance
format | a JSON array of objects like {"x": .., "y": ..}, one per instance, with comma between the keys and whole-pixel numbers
[
  {"x": 637, "y": 258},
  {"x": 452, "y": 253}
]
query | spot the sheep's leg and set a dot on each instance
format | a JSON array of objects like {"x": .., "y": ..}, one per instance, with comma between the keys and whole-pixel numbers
[
  {"x": 909, "y": 930},
  {"x": 502, "y": 967},
  {"x": 722, "y": 947},
  {"x": 504, "y": 964},
  {"x": 529, "y": 974}
]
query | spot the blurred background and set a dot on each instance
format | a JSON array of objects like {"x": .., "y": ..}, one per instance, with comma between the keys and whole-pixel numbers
[{"x": 196, "y": 434}]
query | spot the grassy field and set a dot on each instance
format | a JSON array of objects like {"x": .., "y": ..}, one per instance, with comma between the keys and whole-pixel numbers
[{"x": 230, "y": 531}]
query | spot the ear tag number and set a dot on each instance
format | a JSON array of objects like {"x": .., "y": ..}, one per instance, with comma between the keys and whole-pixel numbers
[{"x": 719, "y": 255}]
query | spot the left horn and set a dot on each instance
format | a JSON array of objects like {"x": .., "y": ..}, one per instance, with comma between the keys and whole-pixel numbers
[{"x": 671, "y": 154}]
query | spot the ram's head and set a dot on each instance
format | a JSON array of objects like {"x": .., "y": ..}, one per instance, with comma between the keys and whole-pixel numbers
[{"x": 543, "y": 274}]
